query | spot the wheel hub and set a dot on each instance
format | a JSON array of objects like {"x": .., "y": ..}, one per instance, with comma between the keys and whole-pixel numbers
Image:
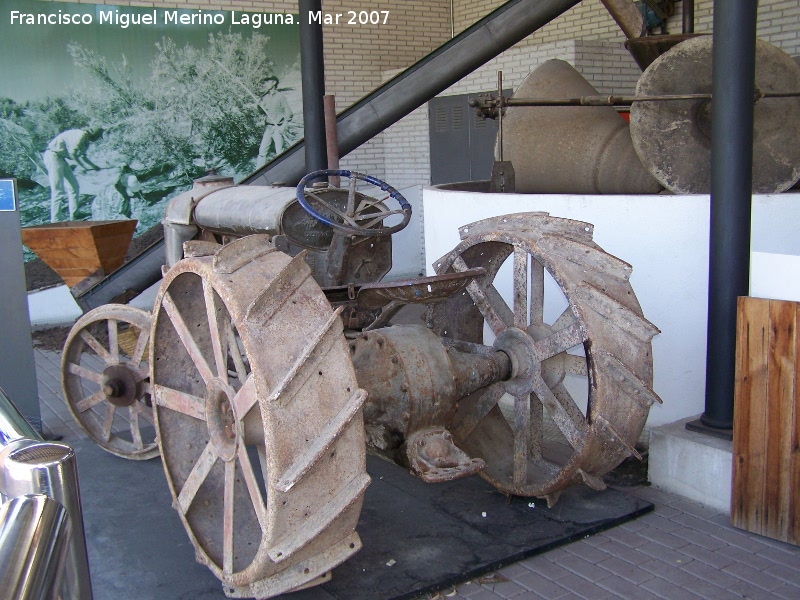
[
  {"x": 119, "y": 385},
  {"x": 519, "y": 345},
  {"x": 554, "y": 368},
  {"x": 223, "y": 426}
]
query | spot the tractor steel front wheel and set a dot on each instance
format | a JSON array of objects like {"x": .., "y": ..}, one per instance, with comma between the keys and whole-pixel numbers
[{"x": 104, "y": 377}]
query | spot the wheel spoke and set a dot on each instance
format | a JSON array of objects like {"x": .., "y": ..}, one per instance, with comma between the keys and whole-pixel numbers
[
  {"x": 565, "y": 413},
  {"x": 95, "y": 345},
  {"x": 186, "y": 338},
  {"x": 178, "y": 401},
  {"x": 245, "y": 398},
  {"x": 364, "y": 204},
  {"x": 85, "y": 373},
  {"x": 488, "y": 301},
  {"x": 351, "y": 198},
  {"x": 565, "y": 319},
  {"x": 196, "y": 478},
  {"x": 520, "y": 288},
  {"x": 216, "y": 328},
  {"x": 379, "y": 217},
  {"x": 233, "y": 349},
  {"x": 145, "y": 411},
  {"x": 536, "y": 428},
  {"x": 560, "y": 341},
  {"x": 570, "y": 407},
  {"x": 537, "y": 292},
  {"x": 141, "y": 346},
  {"x": 522, "y": 438},
  {"x": 576, "y": 365},
  {"x": 136, "y": 433},
  {"x": 252, "y": 487},
  {"x": 108, "y": 421},
  {"x": 113, "y": 341},
  {"x": 333, "y": 209},
  {"x": 489, "y": 398},
  {"x": 227, "y": 518},
  {"x": 86, "y": 403}
]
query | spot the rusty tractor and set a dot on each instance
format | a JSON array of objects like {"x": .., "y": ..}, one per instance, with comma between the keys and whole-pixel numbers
[{"x": 273, "y": 366}]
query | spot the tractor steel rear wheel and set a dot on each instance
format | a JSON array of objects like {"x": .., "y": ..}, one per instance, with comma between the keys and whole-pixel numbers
[
  {"x": 104, "y": 377},
  {"x": 535, "y": 435},
  {"x": 259, "y": 418}
]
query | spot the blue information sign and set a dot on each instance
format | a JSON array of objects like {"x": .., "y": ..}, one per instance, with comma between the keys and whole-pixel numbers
[{"x": 8, "y": 196}]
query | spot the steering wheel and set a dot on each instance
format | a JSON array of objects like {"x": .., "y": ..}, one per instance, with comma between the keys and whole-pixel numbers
[{"x": 362, "y": 216}]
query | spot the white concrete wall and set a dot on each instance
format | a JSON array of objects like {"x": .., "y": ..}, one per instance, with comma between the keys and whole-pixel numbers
[{"x": 665, "y": 238}]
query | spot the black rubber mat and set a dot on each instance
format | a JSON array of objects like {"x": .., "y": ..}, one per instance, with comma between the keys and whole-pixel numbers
[{"x": 417, "y": 537}]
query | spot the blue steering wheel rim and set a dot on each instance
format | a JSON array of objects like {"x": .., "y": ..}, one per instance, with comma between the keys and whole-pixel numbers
[{"x": 393, "y": 193}]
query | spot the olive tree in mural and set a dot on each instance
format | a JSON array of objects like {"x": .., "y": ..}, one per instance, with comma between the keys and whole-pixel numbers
[{"x": 122, "y": 147}]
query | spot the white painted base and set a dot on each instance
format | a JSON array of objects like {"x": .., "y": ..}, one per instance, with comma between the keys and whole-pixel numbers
[
  {"x": 52, "y": 307},
  {"x": 693, "y": 465}
]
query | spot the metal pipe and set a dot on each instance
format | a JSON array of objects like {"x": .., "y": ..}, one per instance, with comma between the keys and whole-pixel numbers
[
  {"x": 31, "y": 468},
  {"x": 688, "y": 16},
  {"x": 731, "y": 195},
  {"x": 331, "y": 137},
  {"x": 493, "y": 104},
  {"x": 501, "y": 103},
  {"x": 13, "y": 426},
  {"x": 34, "y": 538},
  {"x": 312, "y": 67},
  {"x": 489, "y": 37}
]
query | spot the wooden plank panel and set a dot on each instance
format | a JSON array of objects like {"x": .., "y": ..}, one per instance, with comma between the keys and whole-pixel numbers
[
  {"x": 766, "y": 437},
  {"x": 779, "y": 421},
  {"x": 749, "y": 415},
  {"x": 793, "y": 534}
]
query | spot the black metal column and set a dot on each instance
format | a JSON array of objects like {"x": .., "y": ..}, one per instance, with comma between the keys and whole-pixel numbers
[
  {"x": 313, "y": 75},
  {"x": 731, "y": 196}
]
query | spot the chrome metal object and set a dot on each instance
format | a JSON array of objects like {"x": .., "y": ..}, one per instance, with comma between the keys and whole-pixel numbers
[{"x": 34, "y": 540}]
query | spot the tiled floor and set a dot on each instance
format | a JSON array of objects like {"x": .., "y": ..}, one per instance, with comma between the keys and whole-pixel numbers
[{"x": 681, "y": 550}]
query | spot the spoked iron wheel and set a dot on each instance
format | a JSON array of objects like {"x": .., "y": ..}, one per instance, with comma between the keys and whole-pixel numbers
[
  {"x": 104, "y": 376},
  {"x": 535, "y": 432},
  {"x": 259, "y": 418}
]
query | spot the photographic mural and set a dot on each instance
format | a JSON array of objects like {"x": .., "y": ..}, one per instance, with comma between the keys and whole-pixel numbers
[{"x": 107, "y": 112}]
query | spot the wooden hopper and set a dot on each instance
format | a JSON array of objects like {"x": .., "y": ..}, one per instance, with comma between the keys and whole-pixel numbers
[{"x": 77, "y": 249}]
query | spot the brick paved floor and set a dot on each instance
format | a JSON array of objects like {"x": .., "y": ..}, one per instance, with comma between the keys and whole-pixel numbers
[{"x": 682, "y": 550}]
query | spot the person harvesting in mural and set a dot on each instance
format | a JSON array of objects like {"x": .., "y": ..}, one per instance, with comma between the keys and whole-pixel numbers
[
  {"x": 279, "y": 118},
  {"x": 71, "y": 145},
  {"x": 116, "y": 199}
]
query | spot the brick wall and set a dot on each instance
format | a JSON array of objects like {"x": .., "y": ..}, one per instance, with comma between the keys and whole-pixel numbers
[{"x": 778, "y": 22}]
